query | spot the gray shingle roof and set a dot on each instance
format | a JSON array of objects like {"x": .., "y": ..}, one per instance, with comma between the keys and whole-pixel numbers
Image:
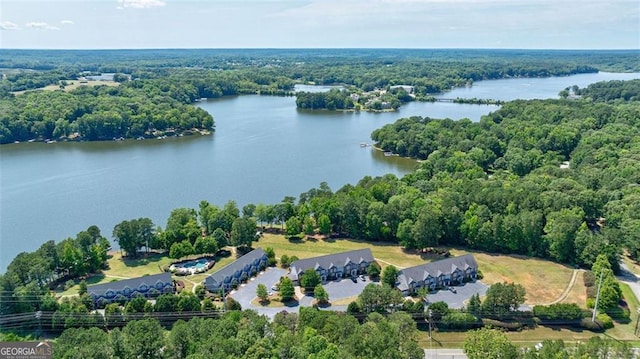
[
  {"x": 434, "y": 269},
  {"x": 234, "y": 266},
  {"x": 133, "y": 284},
  {"x": 327, "y": 261}
]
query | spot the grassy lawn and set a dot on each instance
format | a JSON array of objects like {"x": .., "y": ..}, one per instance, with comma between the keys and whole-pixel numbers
[
  {"x": 578, "y": 293},
  {"x": 626, "y": 331},
  {"x": 274, "y": 302},
  {"x": 386, "y": 253},
  {"x": 72, "y": 85},
  {"x": 544, "y": 281},
  {"x": 523, "y": 338}
]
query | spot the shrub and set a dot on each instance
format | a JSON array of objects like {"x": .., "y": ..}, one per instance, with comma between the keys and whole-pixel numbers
[
  {"x": 559, "y": 311},
  {"x": 200, "y": 291},
  {"x": 353, "y": 308},
  {"x": 284, "y": 261},
  {"x": 232, "y": 304},
  {"x": 591, "y": 292},
  {"x": 606, "y": 320},
  {"x": 589, "y": 279},
  {"x": 511, "y": 326},
  {"x": 68, "y": 284},
  {"x": 479, "y": 275},
  {"x": 620, "y": 314},
  {"x": 596, "y": 326},
  {"x": 459, "y": 320}
]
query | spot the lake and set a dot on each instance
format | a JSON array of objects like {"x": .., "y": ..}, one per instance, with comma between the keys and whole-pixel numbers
[{"x": 263, "y": 150}]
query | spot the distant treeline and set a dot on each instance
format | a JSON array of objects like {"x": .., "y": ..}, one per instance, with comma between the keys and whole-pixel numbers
[{"x": 164, "y": 81}]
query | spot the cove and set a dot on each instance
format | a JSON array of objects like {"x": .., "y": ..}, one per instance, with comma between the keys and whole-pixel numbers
[{"x": 263, "y": 150}]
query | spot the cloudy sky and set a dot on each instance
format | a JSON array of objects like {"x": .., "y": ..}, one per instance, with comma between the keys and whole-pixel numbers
[{"x": 536, "y": 24}]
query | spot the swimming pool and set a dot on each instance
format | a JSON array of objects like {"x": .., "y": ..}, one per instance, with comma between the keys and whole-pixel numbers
[{"x": 192, "y": 266}]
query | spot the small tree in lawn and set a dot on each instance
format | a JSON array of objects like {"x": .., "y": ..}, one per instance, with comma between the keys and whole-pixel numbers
[
  {"x": 373, "y": 270},
  {"x": 287, "y": 290},
  {"x": 284, "y": 261},
  {"x": 83, "y": 287},
  {"x": 390, "y": 276},
  {"x": 262, "y": 293},
  {"x": 321, "y": 294},
  {"x": 271, "y": 256},
  {"x": 309, "y": 279}
]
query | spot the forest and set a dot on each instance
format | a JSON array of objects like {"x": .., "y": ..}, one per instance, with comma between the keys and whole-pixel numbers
[
  {"x": 556, "y": 179},
  {"x": 156, "y": 86}
]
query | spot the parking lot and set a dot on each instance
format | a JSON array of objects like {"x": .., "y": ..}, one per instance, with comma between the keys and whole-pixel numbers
[
  {"x": 340, "y": 289},
  {"x": 337, "y": 289},
  {"x": 463, "y": 293}
]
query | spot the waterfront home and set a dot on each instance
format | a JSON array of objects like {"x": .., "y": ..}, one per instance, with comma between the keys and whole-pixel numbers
[
  {"x": 438, "y": 274},
  {"x": 334, "y": 266},
  {"x": 147, "y": 286},
  {"x": 237, "y": 272}
]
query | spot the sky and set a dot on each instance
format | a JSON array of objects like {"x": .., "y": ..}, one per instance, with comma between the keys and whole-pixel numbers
[{"x": 124, "y": 24}]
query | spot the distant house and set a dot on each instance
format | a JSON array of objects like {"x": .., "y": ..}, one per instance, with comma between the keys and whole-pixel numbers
[
  {"x": 147, "y": 286},
  {"x": 334, "y": 266},
  {"x": 407, "y": 88},
  {"x": 238, "y": 271},
  {"x": 437, "y": 274}
]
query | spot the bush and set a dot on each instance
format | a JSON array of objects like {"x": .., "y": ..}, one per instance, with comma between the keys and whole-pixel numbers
[
  {"x": 200, "y": 291},
  {"x": 459, "y": 320},
  {"x": 589, "y": 279},
  {"x": 596, "y": 326},
  {"x": 232, "y": 304},
  {"x": 353, "y": 308},
  {"x": 511, "y": 326},
  {"x": 479, "y": 275},
  {"x": 620, "y": 314},
  {"x": 68, "y": 284},
  {"x": 606, "y": 320},
  {"x": 591, "y": 292},
  {"x": 558, "y": 311}
]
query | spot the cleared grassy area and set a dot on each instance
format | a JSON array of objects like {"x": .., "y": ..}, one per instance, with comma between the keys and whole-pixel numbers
[
  {"x": 71, "y": 85},
  {"x": 523, "y": 338},
  {"x": 544, "y": 281},
  {"x": 386, "y": 253},
  {"x": 578, "y": 293},
  {"x": 132, "y": 268},
  {"x": 625, "y": 331}
]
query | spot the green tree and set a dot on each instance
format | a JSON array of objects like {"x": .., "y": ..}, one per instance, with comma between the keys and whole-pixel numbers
[
  {"x": 134, "y": 234},
  {"x": 293, "y": 226},
  {"x": 90, "y": 343},
  {"x": 502, "y": 299},
  {"x": 144, "y": 339},
  {"x": 321, "y": 294},
  {"x": 188, "y": 302},
  {"x": 373, "y": 270},
  {"x": 243, "y": 232},
  {"x": 261, "y": 292},
  {"x": 166, "y": 303},
  {"x": 390, "y": 276},
  {"x": 488, "y": 343},
  {"x": 287, "y": 289},
  {"x": 324, "y": 224},
  {"x": 309, "y": 279}
]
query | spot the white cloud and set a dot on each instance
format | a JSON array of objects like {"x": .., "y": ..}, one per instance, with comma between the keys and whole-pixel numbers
[
  {"x": 8, "y": 25},
  {"x": 41, "y": 26},
  {"x": 67, "y": 22},
  {"x": 140, "y": 4}
]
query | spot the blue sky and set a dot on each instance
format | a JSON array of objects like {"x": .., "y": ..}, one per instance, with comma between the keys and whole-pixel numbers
[{"x": 530, "y": 24}]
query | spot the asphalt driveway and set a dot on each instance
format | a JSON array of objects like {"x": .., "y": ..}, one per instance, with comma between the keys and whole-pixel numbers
[{"x": 463, "y": 293}]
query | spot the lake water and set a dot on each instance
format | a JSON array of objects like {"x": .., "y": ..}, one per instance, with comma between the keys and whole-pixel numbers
[{"x": 263, "y": 150}]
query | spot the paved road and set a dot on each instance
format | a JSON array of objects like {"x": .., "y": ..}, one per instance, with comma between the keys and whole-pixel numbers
[
  {"x": 627, "y": 276},
  {"x": 445, "y": 354}
]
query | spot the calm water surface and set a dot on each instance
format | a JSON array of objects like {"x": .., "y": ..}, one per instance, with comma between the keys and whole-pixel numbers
[{"x": 263, "y": 150}]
